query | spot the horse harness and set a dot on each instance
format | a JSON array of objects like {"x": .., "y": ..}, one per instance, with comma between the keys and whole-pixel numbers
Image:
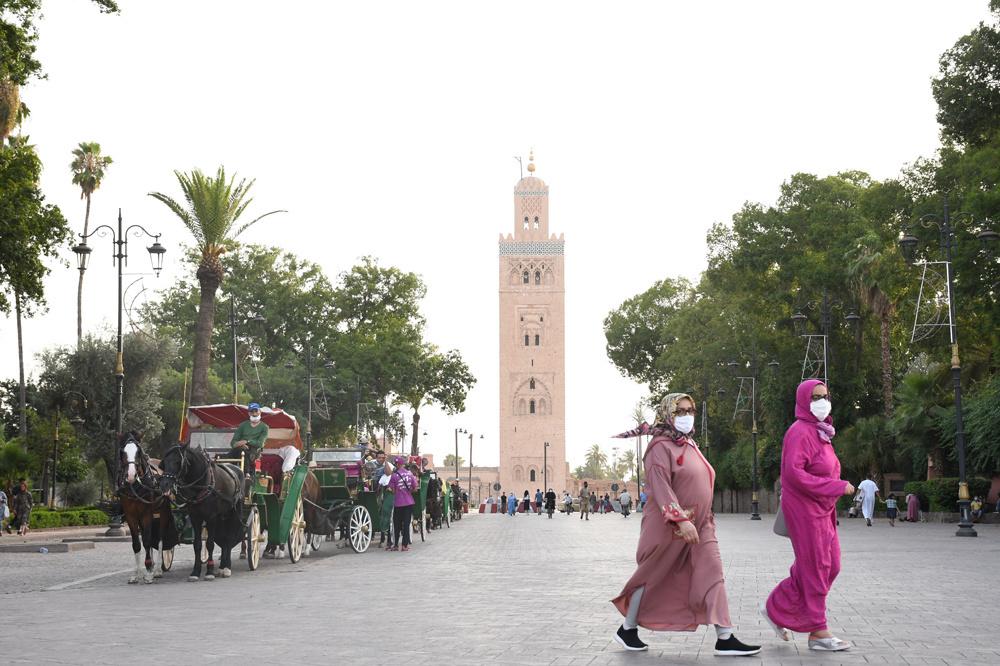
[
  {"x": 206, "y": 489},
  {"x": 146, "y": 479}
]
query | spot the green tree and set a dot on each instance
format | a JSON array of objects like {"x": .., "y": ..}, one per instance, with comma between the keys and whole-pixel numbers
[
  {"x": 88, "y": 168},
  {"x": 211, "y": 212},
  {"x": 595, "y": 464},
  {"x": 433, "y": 378},
  {"x": 449, "y": 460}
]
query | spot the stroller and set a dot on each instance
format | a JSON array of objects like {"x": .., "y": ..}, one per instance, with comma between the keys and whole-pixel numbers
[{"x": 855, "y": 509}]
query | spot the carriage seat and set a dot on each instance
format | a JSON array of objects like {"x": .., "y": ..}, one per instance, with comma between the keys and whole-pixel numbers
[{"x": 270, "y": 466}]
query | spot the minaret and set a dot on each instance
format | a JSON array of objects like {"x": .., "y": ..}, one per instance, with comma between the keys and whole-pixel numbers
[{"x": 532, "y": 345}]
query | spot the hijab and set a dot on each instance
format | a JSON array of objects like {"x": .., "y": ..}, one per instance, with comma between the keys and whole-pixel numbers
[
  {"x": 664, "y": 426},
  {"x": 803, "y": 399}
]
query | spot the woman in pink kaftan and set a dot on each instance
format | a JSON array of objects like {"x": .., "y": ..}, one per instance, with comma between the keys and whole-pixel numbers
[
  {"x": 678, "y": 583},
  {"x": 810, "y": 487}
]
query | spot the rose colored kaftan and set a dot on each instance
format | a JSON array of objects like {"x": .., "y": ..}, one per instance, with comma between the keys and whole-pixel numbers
[
  {"x": 684, "y": 585},
  {"x": 810, "y": 487}
]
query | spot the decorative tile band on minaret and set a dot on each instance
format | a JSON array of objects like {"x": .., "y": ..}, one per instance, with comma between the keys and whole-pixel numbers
[{"x": 532, "y": 345}]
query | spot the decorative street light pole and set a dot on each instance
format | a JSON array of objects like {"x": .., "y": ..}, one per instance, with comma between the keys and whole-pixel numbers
[
  {"x": 120, "y": 259},
  {"x": 257, "y": 319},
  {"x": 908, "y": 244},
  {"x": 329, "y": 365},
  {"x": 755, "y": 486},
  {"x": 817, "y": 368},
  {"x": 463, "y": 431},
  {"x": 470, "y": 462},
  {"x": 545, "y": 465}
]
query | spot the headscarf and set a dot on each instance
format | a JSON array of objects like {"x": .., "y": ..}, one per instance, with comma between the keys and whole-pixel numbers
[
  {"x": 803, "y": 398},
  {"x": 665, "y": 422}
]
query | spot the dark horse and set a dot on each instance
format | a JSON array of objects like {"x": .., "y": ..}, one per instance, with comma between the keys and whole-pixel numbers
[
  {"x": 434, "y": 503},
  {"x": 146, "y": 510},
  {"x": 211, "y": 493}
]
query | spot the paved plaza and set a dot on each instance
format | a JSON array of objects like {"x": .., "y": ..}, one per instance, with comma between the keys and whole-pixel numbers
[{"x": 496, "y": 590}]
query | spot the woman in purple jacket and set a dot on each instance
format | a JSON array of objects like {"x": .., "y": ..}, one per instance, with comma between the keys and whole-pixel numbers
[{"x": 403, "y": 485}]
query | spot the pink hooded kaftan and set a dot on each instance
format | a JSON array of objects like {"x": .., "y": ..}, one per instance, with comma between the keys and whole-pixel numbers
[
  {"x": 810, "y": 487},
  {"x": 684, "y": 585}
]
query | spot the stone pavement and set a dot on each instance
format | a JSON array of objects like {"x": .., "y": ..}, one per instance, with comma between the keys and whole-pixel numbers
[{"x": 499, "y": 590}]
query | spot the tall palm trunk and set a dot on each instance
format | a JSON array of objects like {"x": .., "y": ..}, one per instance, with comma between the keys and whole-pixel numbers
[
  {"x": 79, "y": 285},
  {"x": 414, "y": 446},
  {"x": 884, "y": 321},
  {"x": 22, "y": 400},
  {"x": 209, "y": 280}
]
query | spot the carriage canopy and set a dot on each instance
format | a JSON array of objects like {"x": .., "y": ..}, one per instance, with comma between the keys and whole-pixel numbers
[{"x": 206, "y": 420}]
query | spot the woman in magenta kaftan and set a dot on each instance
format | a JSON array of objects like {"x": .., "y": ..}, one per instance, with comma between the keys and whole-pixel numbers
[
  {"x": 810, "y": 487},
  {"x": 678, "y": 583}
]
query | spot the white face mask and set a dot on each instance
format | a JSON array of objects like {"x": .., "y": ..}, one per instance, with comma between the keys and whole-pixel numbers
[
  {"x": 820, "y": 408},
  {"x": 255, "y": 419},
  {"x": 684, "y": 424}
]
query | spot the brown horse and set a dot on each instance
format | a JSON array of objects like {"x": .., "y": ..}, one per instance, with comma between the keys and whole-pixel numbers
[{"x": 146, "y": 510}]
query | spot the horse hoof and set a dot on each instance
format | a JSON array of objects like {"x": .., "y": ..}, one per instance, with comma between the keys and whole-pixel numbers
[
  {"x": 209, "y": 577},
  {"x": 133, "y": 580},
  {"x": 192, "y": 579},
  {"x": 225, "y": 573},
  {"x": 148, "y": 580},
  {"x": 158, "y": 574}
]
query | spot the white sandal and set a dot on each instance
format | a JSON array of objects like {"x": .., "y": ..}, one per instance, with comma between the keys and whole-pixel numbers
[
  {"x": 832, "y": 644},
  {"x": 782, "y": 633}
]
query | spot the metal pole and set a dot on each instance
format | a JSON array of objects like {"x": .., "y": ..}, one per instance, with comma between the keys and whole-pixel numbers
[
  {"x": 232, "y": 326},
  {"x": 754, "y": 503},
  {"x": 545, "y": 465},
  {"x": 309, "y": 407},
  {"x": 55, "y": 459},
  {"x": 115, "y": 526},
  {"x": 456, "y": 454},
  {"x": 965, "y": 527},
  {"x": 470, "y": 465}
]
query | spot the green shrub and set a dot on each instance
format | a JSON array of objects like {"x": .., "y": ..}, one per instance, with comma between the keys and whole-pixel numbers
[
  {"x": 83, "y": 492},
  {"x": 72, "y": 517},
  {"x": 942, "y": 494}
]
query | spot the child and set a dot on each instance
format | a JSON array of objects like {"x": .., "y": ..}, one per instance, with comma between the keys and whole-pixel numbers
[{"x": 890, "y": 510}]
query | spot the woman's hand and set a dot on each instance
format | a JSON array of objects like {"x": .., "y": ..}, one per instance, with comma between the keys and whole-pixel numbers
[
  {"x": 849, "y": 490},
  {"x": 688, "y": 532}
]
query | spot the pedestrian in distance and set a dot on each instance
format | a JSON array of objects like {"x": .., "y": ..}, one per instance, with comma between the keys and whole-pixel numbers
[
  {"x": 891, "y": 510},
  {"x": 977, "y": 508},
  {"x": 403, "y": 485},
  {"x": 913, "y": 508},
  {"x": 678, "y": 583},
  {"x": 22, "y": 508},
  {"x": 512, "y": 505},
  {"x": 503, "y": 504},
  {"x": 567, "y": 503},
  {"x": 810, "y": 488},
  {"x": 526, "y": 503},
  {"x": 550, "y": 502},
  {"x": 585, "y": 498},
  {"x": 538, "y": 501},
  {"x": 593, "y": 502},
  {"x": 643, "y": 498},
  {"x": 868, "y": 492},
  {"x": 626, "y": 501},
  {"x": 4, "y": 511}
]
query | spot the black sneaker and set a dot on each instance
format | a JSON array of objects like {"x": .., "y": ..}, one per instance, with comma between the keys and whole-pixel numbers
[
  {"x": 629, "y": 639},
  {"x": 732, "y": 647}
]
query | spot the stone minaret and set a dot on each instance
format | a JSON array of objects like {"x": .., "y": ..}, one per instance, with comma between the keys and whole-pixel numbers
[{"x": 532, "y": 345}]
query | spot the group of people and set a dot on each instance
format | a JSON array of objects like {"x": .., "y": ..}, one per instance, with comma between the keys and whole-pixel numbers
[
  {"x": 679, "y": 583},
  {"x": 15, "y": 513}
]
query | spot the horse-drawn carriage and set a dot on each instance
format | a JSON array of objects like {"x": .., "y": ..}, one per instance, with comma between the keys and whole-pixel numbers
[
  {"x": 349, "y": 505},
  {"x": 264, "y": 509}
]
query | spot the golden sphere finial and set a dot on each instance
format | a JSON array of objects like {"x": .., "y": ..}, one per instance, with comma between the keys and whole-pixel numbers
[{"x": 531, "y": 161}]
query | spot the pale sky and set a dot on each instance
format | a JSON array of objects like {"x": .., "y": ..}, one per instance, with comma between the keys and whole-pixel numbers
[{"x": 389, "y": 129}]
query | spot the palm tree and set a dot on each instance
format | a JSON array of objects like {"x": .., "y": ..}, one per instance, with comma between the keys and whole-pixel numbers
[
  {"x": 596, "y": 462},
  {"x": 88, "y": 167},
  {"x": 212, "y": 207}
]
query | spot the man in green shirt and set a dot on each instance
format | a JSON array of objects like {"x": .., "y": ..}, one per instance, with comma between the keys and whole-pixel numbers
[{"x": 249, "y": 438}]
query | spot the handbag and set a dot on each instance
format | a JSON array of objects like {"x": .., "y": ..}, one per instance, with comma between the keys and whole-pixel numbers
[{"x": 779, "y": 523}]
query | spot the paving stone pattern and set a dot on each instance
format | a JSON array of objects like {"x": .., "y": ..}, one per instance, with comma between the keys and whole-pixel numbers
[{"x": 500, "y": 590}]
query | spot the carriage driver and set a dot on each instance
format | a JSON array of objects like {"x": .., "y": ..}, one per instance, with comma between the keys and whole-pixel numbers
[{"x": 249, "y": 438}]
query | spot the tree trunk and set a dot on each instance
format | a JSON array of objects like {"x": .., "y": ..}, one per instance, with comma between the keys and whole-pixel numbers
[
  {"x": 79, "y": 285},
  {"x": 22, "y": 399},
  {"x": 884, "y": 322},
  {"x": 414, "y": 445},
  {"x": 203, "y": 336}
]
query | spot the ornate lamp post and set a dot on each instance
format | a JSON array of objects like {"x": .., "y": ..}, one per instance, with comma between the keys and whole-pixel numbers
[
  {"x": 908, "y": 245},
  {"x": 329, "y": 365},
  {"x": 470, "y": 462},
  {"x": 120, "y": 259},
  {"x": 545, "y": 465},
  {"x": 817, "y": 368},
  {"x": 752, "y": 379}
]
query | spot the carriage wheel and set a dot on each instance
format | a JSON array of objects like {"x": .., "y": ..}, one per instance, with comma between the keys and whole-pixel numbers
[
  {"x": 166, "y": 560},
  {"x": 360, "y": 529},
  {"x": 297, "y": 534},
  {"x": 254, "y": 540},
  {"x": 315, "y": 541}
]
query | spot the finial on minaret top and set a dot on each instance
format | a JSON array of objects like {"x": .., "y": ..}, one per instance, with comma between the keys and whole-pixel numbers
[{"x": 531, "y": 161}]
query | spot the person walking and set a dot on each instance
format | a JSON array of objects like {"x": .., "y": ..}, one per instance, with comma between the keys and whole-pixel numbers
[
  {"x": 503, "y": 504},
  {"x": 550, "y": 502},
  {"x": 403, "y": 485},
  {"x": 810, "y": 488},
  {"x": 643, "y": 497},
  {"x": 512, "y": 505},
  {"x": 868, "y": 491},
  {"x": 585, "y": 498},
  {"x": 526, "y": 503},
  {"x": 22, "y": 508},
  {"x": 538, "y": 501},
  {"x": 381, "y": 478},
  {"x": 4, "y": 511},
  {"x": 567, "y": 503},
  {"x": 891, "y": 510},
  {"x": 913, "y": 508},
  {"x": 626, "y": 501},
  {"x": 678, "y": 583}
]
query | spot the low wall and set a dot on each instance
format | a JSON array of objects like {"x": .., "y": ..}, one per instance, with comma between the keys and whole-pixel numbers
[{"x": 739, "y": 501}]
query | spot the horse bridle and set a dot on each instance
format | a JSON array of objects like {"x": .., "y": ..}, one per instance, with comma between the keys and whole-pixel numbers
[
  {"x": 179, "y": 488},
  {"x": 144, "y": 475}
]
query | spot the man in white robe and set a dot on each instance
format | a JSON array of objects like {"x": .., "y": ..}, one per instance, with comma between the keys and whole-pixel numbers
[{"x": 868, "y": 491}]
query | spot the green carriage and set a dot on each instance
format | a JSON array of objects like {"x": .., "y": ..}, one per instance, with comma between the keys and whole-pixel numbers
[
  {"x": 349, "y": 505},
  {"x": 272, "y": 511}
]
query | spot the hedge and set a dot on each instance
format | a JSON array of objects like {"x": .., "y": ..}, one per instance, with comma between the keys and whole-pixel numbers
[
  {"x": 41, "y": 518},
  {"x": 942, "y": 494}
]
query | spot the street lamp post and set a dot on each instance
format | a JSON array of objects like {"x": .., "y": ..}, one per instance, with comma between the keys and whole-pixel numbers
[
  {"x": 329, "y": 365},
  {"x": 755, "y": 483},
  {"x": 463, "y": 431},
  {"x": 233, "y": 324},
  {"x": 908, "y": 244},
  {"x": 120, "y": 259},
  {"x": 470, "y": 462},
  {"x": 825, "y": 306},
  {"x": 545, "y": 465}
]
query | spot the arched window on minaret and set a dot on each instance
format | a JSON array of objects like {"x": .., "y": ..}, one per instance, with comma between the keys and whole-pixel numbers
[
  {"x": 522, "y": 406},
  {"x": 531, "y": 475},
  {"x": 525, "y": 339},
  {"x": 531, "y": 384},
  {"x": 536, "y": 222},
  {"x": 525, "y": 222},
  {"x": 541, "y": 406},
  {"x": 538, "y": 339},
  {"x": 531, "y": 407},
  {"x": 538, "y": 277},
  {"x": 525, "y": 277},
  {"x": 518, "y": 473}
]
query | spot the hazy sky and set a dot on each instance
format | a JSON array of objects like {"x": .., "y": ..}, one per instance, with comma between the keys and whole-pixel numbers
[{"x": 389, "y": 129}]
